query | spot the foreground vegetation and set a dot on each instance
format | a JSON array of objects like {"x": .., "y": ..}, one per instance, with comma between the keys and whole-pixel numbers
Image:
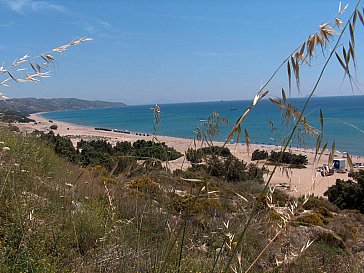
[
  {"x": 60, "y": 216},
  {"x": 97, "y": 208}
]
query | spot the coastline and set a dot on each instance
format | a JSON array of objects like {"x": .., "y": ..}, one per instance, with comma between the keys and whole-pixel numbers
[{"x": 296, "y": 182}]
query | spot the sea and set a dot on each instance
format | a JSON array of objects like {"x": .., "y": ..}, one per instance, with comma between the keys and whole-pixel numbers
[{"x": 343, "y": 121}]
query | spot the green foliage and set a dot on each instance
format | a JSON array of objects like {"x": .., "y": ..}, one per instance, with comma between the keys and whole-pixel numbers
[
  {"x": 359, "y": 177},
  {"x": 288, "y": 158},
  {"x": 348, "y": 194},
  {"x": 228, "y": 168},
  {"x": 28, "y": 195},
  {"x": 197, "y": 156},
  {"x": 20, "y": 107},
  {"x": 123, "y": 148},
  {"x": 231, "y": 168},
  {"x": 259, "y": 155},
  {"x": 61, "y": 145},
  {"x": 8, "y": 115},
  {"x": 194, "y": 156},
  {"x": 100, "y": 152},
  {"x": 149, "y": 149},
  {"x": 319, "y": 204},
  {"x": 312, "y": 219},
  {"x": 94, "y": 152},
  {"x": 51, "y": 219},
  {"x": 216, "y": 150},
  {"x": 89, "y": 221}
]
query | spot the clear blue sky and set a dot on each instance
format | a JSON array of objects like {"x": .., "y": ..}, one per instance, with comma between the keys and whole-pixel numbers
[{"x": 165, "y": 51}]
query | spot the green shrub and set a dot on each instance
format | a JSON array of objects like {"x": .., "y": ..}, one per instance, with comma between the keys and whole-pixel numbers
[
  {"x": 348, "y": 194},
  {"x": 287, "y": 158},
  {"x": 194, "y": 156},
  {"x": 101, "y": 152},
  {"x": 61, "y": 145},
  {"x": 216, "y": 150},
  {"x": 149, "y": 149},
  {"x": 319, "y": 204},
  {"x": 259, "y": 155},
  {"x": 123, "y": 148},
  {"x": 313, "y": 219},
  {"x": 197, "y": 156},
  {"x": 233, "y": 169},
  {"x": 8, "y": 115}
]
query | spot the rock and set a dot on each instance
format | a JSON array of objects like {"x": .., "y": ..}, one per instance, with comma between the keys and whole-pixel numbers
[{"x": 328, "y": 236}]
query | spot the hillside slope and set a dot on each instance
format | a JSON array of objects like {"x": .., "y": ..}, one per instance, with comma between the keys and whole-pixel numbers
[
  {"x": 33, "y": 105},
  {"x": 61, "y": 217}
]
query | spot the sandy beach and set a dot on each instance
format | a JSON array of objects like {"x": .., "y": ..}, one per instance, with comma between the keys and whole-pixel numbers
[{"x": 294, "y": 181}]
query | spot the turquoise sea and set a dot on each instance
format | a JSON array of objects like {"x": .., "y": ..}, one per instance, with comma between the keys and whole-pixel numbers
[{"x": 344, "y": 120}]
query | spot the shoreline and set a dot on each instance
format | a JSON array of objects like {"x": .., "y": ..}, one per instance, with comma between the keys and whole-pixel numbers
[
  {"x": 38, "y": 116},
  {"x": 296, "y": 182}
]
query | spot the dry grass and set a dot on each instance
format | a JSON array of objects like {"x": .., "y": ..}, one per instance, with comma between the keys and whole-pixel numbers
[
  {"x": 39, "y": 66},
  {"x": 54, "y": 220}
]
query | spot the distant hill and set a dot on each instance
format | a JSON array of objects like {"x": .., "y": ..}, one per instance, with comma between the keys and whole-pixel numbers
[{"x": 33, "y": 105}]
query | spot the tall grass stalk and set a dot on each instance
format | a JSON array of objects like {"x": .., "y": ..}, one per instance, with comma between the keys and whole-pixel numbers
[
  {"x": 284, "y": 148},
  {"x": 182, "y": 244}
]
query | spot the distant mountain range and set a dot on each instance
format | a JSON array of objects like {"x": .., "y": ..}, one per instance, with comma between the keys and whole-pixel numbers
[{"x": 32, "y": 105}]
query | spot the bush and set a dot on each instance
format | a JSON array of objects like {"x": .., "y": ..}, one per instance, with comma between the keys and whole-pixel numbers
[
  {"x": 259, "y": 155},
  {"x": 53, "y": 127},
  {"x": 216, "y": 150},
  {"x": 236, "y": 170},
  {"x": 123, "y": 148},
  {"x": 149, "y": 149},
  {"x": 233, "y": 169},
  {"x": 255, "y": 173},
  {"x": 61, "y": 146},
  {"x": 288, "y": 158},
  {"x": 9, "y": 115},
  {"x": 100, "y": 146},
  {"x": 196, "y": 156},
  {"x": 101, "y": 152},
  {"x": 348, "y": 194},
  {"x": 319, "y": 204},
  {"x": 191, "y": 206},
  {"x": 95, "y": 152},
  {"x": 314, "y": 219},
  {"x": 145, "y": 185}
]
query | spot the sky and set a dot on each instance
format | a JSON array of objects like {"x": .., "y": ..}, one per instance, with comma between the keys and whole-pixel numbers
[{"x": 166, "y": 51}]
